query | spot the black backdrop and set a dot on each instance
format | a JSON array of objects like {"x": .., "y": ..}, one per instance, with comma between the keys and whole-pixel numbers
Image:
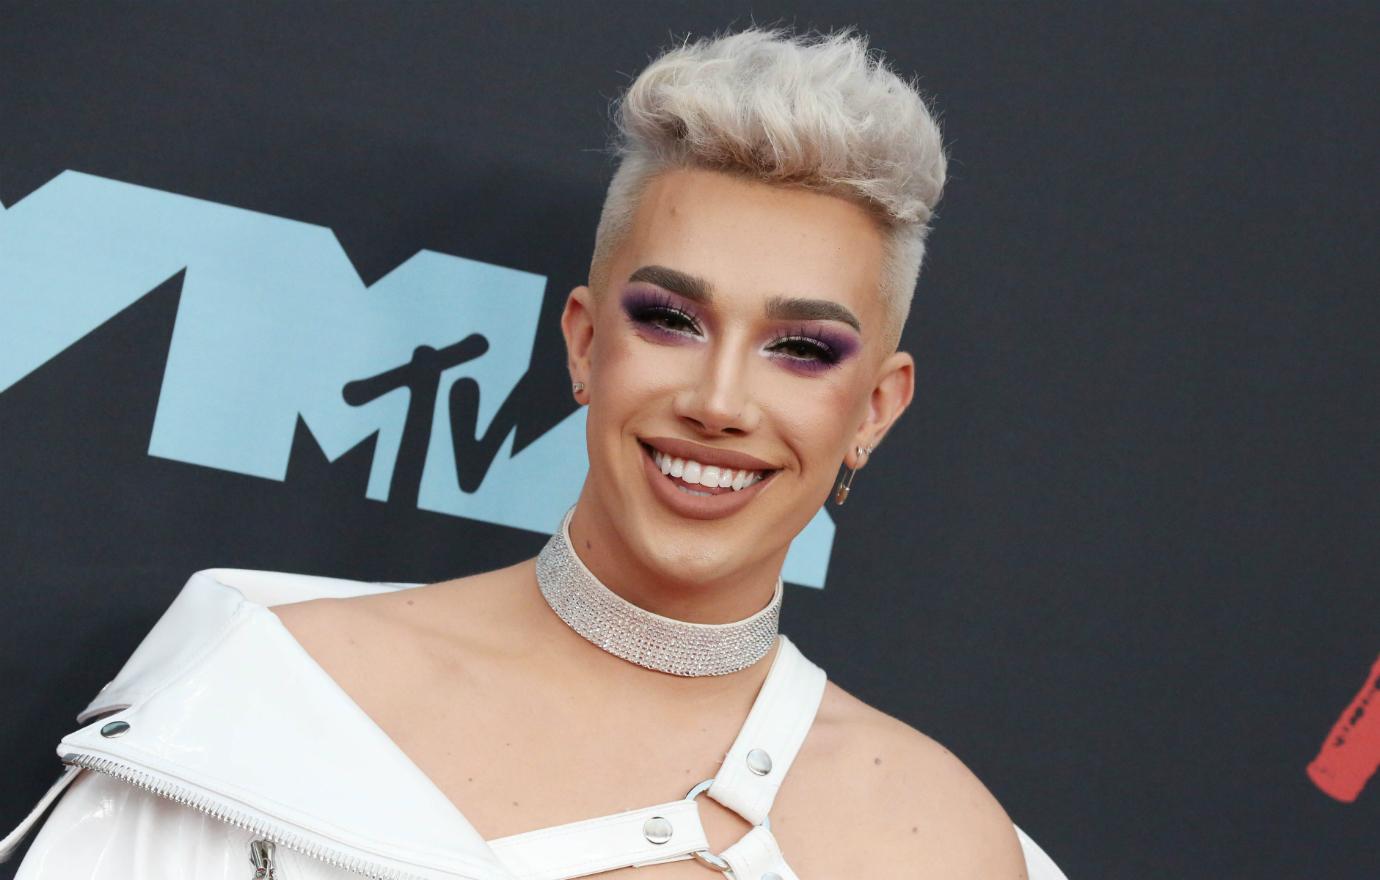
[{"x": 1120, "y": 555}]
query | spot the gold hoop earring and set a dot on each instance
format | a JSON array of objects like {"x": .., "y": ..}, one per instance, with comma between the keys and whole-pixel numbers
[{"x": 845, "y": 484}]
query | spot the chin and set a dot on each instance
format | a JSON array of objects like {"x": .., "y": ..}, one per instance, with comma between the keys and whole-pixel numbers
[{"x": 682, "y": 554}]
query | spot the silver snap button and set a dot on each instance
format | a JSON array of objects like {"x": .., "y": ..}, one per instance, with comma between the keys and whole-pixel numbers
[
  {"x": 657, "y": 830},
  {"x": 114, "y": 728},
  {"x": 759, "y": 762}
]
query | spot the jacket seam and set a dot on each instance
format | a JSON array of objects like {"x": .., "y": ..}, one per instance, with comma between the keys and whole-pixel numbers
[{"x": 235, "y": 619}]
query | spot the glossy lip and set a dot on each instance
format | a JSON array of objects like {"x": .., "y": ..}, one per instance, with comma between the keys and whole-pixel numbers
[
  {"x": 739, "y": 461},
  {"x": 697, "y": 506}
]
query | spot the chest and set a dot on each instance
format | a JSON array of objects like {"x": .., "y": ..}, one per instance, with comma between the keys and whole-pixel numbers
[{"x": 541, "y": 757}]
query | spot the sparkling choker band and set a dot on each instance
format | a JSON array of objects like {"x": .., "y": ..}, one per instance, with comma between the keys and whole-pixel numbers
[{"x": 641, "y": 636}]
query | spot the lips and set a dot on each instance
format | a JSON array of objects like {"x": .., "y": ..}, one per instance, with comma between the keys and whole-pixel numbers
[
  {"x": 717, "y": 456},
  {"x": 724, "y": 479},
  {"x": 720, "y": 503},
  {"x": 681, "y": 481}
]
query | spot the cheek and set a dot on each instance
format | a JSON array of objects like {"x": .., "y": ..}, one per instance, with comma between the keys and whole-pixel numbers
[
  {"x": 630, "y": 378},
  {"x": 626, "y": 363},
  {"x": 818, "y": 424},
  {"x": 637, "y": 362}
]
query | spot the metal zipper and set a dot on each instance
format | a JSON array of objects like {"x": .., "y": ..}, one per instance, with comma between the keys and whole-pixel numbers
[
  {"x": 268, "y": 831},
  {"x": 261, "y": 857}
]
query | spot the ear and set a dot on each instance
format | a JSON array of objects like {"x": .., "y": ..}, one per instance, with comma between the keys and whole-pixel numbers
[
  {"x": 890, "y": 396},
  {"x": 577, "y": 325}
]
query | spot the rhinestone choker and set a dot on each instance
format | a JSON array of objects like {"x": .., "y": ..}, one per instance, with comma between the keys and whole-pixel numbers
[{"x": 641, "y": 636}]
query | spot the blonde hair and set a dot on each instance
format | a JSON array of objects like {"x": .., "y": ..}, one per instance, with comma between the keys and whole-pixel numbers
[{"x": 821, "y": 112}]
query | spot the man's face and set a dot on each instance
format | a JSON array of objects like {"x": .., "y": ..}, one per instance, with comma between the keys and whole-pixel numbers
[{"x": 727, "y": 322}]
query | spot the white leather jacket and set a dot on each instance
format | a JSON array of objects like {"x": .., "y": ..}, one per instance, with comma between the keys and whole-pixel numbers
[{"x": 222, "y": 751}]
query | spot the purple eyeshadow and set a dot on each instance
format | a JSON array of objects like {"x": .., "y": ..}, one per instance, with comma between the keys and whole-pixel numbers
[
  {"x": 844, "y": 346},
  {"x": 639, "y": 299},
  {"x": 829, "y": 348},
  {"x": 668, "y": 317},
  {"x": 646, "y": 307}
]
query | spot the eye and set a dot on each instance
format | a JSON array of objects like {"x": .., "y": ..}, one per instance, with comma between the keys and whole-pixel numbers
[
  {"x": 806, "y": 348},
  {"x": 661, "y": 315},
  {"x": 666, "y": 318}
]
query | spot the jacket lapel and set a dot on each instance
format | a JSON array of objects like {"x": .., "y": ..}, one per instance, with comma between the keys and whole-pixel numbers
[{"x": 221, "y": 700}]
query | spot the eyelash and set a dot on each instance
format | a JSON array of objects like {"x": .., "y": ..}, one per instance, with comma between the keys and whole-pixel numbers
[{"x": 822, "y": 354}]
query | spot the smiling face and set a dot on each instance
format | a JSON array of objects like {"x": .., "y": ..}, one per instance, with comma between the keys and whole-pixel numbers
[{"x": 744, "y": 318}]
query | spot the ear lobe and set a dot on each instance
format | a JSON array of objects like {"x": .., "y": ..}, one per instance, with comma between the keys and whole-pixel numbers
[{"x": 890, "y": 396}]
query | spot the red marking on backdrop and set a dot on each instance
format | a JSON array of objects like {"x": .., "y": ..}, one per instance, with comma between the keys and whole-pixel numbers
[{"x": 1351, "y": 752}]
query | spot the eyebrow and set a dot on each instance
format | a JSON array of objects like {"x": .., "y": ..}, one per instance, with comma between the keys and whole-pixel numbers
[{"x": 701, "y": 291}]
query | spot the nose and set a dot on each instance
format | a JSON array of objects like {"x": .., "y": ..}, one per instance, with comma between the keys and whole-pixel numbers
[{"x": 717, "y": 399}]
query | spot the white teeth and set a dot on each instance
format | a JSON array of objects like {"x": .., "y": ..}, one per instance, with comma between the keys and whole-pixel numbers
[{"x": 704, "y": 474}]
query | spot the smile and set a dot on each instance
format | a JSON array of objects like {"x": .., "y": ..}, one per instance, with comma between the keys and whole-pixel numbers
[
  {"x": 694, "y": 474},
  {"x": 701, "y": 491}
]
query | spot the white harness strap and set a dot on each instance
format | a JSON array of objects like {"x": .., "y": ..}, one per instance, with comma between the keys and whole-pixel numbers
[
  {"x": 770, "y": 738},
  {"x": 12, "y": 840},
  {"x": 757, "y": 856},
  {"x": 594, "y": 845},
  {"x": 747, "y": 783}
]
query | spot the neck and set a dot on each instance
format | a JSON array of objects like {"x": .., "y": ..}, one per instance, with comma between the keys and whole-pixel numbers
[{"x": 721, "y": 597}]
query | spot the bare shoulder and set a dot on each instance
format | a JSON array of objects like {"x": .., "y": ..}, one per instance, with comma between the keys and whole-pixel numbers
[
  {"x": 909, "y": 798},
  {"x": 383, "y": 632}
]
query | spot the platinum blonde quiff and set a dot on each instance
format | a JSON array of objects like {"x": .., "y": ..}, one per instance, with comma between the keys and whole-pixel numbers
[{"x": 821, "y": 112}]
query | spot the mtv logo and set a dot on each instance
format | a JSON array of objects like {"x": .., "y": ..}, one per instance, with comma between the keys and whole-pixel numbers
[{"x": 274, "y": 324}]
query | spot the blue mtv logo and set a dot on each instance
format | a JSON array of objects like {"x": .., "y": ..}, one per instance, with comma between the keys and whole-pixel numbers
[{"x": 274, "y": 324}]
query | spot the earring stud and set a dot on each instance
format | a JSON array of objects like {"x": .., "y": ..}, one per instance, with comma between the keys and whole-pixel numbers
[{"x": 577, "y": 387}]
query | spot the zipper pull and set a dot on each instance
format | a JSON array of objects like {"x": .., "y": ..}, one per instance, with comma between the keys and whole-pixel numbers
[{"x": 261, "y": 856}]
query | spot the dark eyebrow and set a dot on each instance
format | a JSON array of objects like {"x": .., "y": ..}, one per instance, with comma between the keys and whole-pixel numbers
[
  {"x": 685, "y": 284},
  {"x": 778, "y": 307},
  {"x": 810, "y": 310}
]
